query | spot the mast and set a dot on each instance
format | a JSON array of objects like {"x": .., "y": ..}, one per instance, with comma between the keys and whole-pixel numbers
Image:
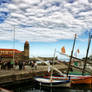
[
  {"x": 53, "y": 64},
  {"x": 14, "y": 44},
  {"x": 69, "y": 66},
  {"x": 85, "y": 62}
]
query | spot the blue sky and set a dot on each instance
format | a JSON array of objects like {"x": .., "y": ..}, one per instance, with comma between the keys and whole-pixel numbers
[{"x": 46, "y": 24}]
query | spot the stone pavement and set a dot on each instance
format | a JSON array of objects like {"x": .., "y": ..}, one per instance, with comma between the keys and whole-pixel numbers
[{"x": 28, "y": 69}]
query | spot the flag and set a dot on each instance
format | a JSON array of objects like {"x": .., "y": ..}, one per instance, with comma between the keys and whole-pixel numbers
[
  {"x": 75, "y": 54},
  {"x": 63, "y": 49},
  {"x": 78, "y": 51}
]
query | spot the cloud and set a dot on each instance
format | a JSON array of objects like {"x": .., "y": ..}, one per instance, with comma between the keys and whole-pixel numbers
[{"x": 45, "y": 20}]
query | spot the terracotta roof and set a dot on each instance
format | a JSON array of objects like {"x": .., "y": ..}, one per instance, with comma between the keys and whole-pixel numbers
[{"x": 16, "y": 51}]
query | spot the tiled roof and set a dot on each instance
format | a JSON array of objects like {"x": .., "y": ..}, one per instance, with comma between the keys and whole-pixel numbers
[{"x": 16, "y": 51}]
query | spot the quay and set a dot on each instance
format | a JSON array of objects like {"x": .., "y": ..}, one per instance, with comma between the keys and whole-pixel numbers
[{"x": 17, "y": 76}]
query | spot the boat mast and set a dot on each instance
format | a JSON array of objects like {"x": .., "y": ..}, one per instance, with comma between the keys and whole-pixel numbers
[
  {"x": 85, "y": 62},
  {"x": 14, "y": 44},
  {"x": 69, "y": 66},
  {"x": 53, "y": 64}
]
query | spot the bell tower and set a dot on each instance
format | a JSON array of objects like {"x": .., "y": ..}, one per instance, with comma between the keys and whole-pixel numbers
[{"x": 26, "y": 49}]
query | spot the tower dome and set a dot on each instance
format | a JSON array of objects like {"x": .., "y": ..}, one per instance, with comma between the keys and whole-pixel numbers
[{"x": 26, "y": 43}]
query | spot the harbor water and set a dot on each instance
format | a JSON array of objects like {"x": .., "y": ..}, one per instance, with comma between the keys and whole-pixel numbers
[{"x": 34, "y": 87}]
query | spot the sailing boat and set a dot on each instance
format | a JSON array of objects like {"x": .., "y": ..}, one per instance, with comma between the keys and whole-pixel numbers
[
  {"x": 77, "y": 79},
  {"x": 50, "y": 82},
  {"x": 84, "y": 79}
]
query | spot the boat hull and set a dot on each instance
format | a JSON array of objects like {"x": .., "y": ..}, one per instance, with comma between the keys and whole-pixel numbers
[
  {"x": 87, "y": 80},
  {"x": 53, "y": 83},
  {"x": 75, "y": 79}
]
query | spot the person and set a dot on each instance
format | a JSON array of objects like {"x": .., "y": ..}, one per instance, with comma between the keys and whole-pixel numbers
[
  {"x": 2, "y": 65},
  {"x": 20, "y": 65},
  {"x": 16, "y": 62},
  {"x": 71, "y": 69},
  {"x": 50, "y": 62},
  {"x": 8, "y": 65},
  {"x": 23, "y": 66},
  {"x": 12, "y": 63},
  {"x": 35, "y": 65},
  {"x": 32, "y": 64}
]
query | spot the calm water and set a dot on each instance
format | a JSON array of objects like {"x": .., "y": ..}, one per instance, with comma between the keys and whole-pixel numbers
[{"x": 33, "y": 87}]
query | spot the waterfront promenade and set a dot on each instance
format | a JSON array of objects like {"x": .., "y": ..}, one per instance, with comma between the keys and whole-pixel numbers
[
  {"x": 28, "y": 69},
  {"x": 15, "y": 75}
]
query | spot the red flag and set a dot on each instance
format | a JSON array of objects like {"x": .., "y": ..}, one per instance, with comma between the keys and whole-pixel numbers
[
  {"x": 63, "y": 49},
  {"x": 78, "y": 50}
]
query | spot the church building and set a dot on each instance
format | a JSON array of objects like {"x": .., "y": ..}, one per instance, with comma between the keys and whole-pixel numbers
[{"x": 6, "y": 54}]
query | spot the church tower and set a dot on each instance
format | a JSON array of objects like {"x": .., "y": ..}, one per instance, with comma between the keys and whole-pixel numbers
[{"x": 26, "y": 49}]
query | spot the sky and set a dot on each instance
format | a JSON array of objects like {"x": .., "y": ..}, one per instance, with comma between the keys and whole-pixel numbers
[{"x": 46, "y": 24}]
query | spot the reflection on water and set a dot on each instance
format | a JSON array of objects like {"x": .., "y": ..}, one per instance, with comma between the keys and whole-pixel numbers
[
  {"x": 33, "y": 87},
  {"x": 53, "y": 90}
]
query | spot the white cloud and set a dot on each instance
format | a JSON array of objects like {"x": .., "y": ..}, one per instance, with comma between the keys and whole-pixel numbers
[
  {"x": 47, "y": 20},
  {"x": 12, "y": 6}
]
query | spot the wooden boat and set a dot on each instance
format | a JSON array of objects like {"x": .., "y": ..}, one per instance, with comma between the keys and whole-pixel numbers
[
  {"x": 82, "y": 80},
  {"x": 79, "y": 79},
  {"x": 47, "y": 82},
  {"x": 75, "y": 79}
]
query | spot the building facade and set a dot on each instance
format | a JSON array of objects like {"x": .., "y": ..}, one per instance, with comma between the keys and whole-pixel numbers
[{"x": 14, "y": 53}]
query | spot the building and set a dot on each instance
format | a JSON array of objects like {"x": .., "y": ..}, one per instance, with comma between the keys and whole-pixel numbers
[
  {"x": 6, "y": 54},
  {"x": 26, "y": 49}
]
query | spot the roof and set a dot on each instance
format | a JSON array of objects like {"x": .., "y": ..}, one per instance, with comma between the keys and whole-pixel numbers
[{"x": 16, "y": 51}]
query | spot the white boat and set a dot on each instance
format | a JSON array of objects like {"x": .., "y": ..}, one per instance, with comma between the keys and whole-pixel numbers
[
  {"x": 75, "y": 79},
  {"x": 52, "y": 83}
]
